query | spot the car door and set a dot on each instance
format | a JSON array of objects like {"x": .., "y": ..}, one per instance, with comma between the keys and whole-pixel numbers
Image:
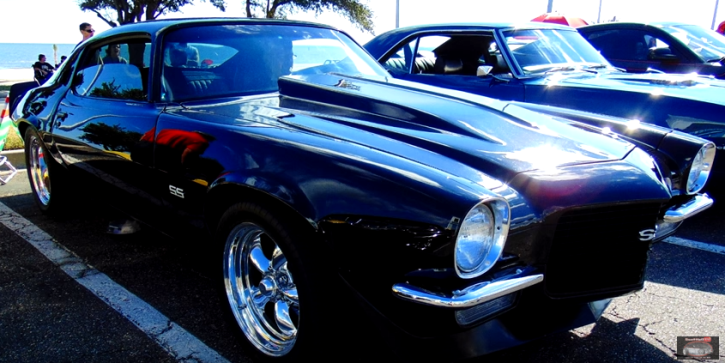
[
  {"x": 452, "y": 61},
  {"x": 100, "y": 123}
]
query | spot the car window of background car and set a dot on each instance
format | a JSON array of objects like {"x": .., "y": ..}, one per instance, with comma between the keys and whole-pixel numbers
[
  {"x": 708, "y": 44},
  {"x": 402, "y": 58},
  {"x": 624, "y": 44},
  {"x": 126, "y": 81},
  {"x": 538, "y": 50}
]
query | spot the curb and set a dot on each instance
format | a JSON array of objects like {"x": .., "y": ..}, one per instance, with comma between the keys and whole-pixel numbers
[{"x": 15, "y": 157}]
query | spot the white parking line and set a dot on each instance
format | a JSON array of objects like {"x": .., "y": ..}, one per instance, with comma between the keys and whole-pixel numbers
[
  {"x": 694, "y": 244},
  {"x": 173, "y": 338}
]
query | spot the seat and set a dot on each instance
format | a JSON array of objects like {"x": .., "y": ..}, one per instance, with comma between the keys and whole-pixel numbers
[
  {"x": 5, "y": 127},
  {"x": 424, "y": 65},
  {"x": 185, "y": 84},
  {"x": 500, "y": 67},
  {"x": 445, "y": 65}
]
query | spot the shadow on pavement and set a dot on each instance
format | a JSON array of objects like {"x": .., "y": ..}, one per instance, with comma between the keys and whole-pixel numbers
[{"x": 608, "y": 341}]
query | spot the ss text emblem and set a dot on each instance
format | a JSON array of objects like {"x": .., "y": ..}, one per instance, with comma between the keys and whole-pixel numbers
[
  {"x": 178, "y": 192},
  {"x": 647, "y": 234}
]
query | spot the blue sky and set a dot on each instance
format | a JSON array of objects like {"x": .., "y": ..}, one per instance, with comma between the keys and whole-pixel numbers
[{"x": 56, "y": 21}]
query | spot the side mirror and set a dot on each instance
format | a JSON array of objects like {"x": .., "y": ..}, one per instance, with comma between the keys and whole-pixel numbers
[
  {"x": 483, "y": 71},
  {"x": 662, "y": 54}
]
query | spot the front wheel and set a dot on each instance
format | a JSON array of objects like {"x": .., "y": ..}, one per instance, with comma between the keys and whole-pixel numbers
[{"x": 272, "y": 284}]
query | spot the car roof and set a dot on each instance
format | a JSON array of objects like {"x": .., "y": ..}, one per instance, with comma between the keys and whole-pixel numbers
[
  {"x": 384, "y": 42},
  {"x": 629, "y": 24},
  {"x": 155, "y": 26}
]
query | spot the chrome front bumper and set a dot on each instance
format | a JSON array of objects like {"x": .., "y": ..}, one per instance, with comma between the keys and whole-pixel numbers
[
  {"x": 696, "y": 205},
  {"x": 471, "y": 296}
]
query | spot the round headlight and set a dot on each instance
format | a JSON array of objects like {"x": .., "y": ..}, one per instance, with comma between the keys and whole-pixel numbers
[
  {"x": 481, "y": 238},
  {"x": 700, "y": 169}
]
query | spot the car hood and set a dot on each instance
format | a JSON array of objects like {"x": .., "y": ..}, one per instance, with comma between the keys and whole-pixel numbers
[
  {"x": 693, "y": 87},
  {"x": 431, "y": 125}
]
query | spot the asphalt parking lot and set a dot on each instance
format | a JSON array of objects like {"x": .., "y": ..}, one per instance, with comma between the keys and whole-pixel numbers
[{"x": 70, "y": 292}]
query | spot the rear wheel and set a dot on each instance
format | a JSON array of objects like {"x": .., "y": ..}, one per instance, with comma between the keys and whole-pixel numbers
[
  {"x": 272, "y": 284},
  {"x": 47, "y": 178}
]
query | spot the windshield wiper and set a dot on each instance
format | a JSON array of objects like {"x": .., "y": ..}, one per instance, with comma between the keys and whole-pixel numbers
[
  {"x": 596, "y": 66},
  {"x": 561, "y": 68},
  {"x": 591, "y": 68}
]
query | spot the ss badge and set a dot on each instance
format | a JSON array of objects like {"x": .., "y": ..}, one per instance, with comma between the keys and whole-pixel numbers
[
  {"x": 178, "y": 192},
  {"x": 647, "y": 234}
]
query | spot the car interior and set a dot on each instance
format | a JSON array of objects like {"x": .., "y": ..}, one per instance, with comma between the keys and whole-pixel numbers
[{"x": 458, "y": 55}]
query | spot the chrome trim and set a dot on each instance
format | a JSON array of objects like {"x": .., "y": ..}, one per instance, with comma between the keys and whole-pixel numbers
[
  {"x": 468, "y": 297},
  {"x": 39, "y": 171},
  {"x": 501, "y": 212},
  {"x": 708, "y": 158},
  {"x": 696, "y": 205},
  {"x": 261, "y": 290}
]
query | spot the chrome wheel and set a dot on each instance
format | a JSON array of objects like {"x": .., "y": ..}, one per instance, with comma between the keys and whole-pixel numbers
[
  {"x": 260, "y": 290},
  {"x": 38, "y": 168}
]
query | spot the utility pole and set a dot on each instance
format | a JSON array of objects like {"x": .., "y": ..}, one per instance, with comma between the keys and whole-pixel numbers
[
  {"x": 397, "y": 14},
  {"x": 551, "y": 6},
  {"x": 714, "y": 16},
  {"x": 599, "y": 15}
]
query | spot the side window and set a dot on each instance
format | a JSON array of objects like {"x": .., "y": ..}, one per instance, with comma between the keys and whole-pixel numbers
[
  {"x": 426, "y": 57},
  {"x": 115, "y": 70},
  {"x": 402, "y": 58},
  {"x": 113, "y": 80},
  {"x": 625, "y": 44},
  {"x": 459, "y": 54}
]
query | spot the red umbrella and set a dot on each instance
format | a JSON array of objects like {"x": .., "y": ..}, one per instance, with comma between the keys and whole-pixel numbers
[{"x": 560, "y": 19}]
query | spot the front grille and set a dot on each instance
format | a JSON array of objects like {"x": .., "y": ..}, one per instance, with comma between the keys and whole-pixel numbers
[{"x": 597, "y": 251}]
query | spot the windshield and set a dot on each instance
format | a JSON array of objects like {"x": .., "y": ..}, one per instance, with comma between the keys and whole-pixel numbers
[
  {"x": 232, "y": 59},
  {"x": 708, "y": 44},
  {"x": 545, "y": 50}
]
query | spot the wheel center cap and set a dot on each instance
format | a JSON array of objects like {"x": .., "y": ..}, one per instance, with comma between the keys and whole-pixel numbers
[{"x": 267, "y": 286}]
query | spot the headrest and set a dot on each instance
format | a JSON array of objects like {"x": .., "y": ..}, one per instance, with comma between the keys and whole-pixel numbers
[{"x": 445, "y": 65}]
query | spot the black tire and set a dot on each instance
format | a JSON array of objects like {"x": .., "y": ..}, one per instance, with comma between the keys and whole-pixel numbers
[
  {"x": 275, "y": 287},
  {"x": 48, "y": 179}
]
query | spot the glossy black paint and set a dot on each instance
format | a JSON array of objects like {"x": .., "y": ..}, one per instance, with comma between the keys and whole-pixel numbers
[
  {"x": 379, "y": 169},
  {"x": 690, "y": 105},
  {"x": 681, "y": 57}
]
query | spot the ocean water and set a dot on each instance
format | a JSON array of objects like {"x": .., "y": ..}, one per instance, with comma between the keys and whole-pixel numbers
[{"x": 20, "y": 55}]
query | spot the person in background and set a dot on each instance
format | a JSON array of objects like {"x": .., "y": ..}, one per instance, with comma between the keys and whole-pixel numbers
[
  {"x": 113, "y": 54},
  {"x": 721, "y": 28},
  {"x": 87, "y": 31},
  {"x": 43, "y": 70},
  {"x": 62, "y": 59}
]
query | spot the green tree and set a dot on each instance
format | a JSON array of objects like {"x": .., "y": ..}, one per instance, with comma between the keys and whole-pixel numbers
[
  {"x": 131, "y": 11},
  {"x": 354, "y": 10}
]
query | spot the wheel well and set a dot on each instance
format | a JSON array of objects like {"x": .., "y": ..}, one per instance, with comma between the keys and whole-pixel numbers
[
  {"x": 22, "y": 127},
  {"x": 224, "y": 196}
]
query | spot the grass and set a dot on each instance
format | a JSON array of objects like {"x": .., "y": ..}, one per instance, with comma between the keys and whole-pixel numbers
[
  {"x": 13, "y": 142},
  {"x": 5, "y": 87}
]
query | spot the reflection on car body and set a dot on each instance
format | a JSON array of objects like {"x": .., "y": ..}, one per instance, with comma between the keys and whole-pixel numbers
[
  {"x": 463, "y": 224},
  {"x": 552, "y": 65}
]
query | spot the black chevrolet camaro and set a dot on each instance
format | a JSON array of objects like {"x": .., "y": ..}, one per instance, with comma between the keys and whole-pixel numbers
[{"x": 460, "y": 224}]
